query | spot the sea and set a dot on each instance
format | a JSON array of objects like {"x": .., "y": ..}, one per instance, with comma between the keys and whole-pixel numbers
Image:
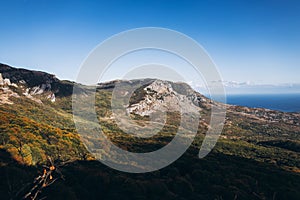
[{"x": 280, "y": 102}]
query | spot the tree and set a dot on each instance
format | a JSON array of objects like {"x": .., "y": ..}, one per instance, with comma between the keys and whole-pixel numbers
[{"x": 19, "y": 141}]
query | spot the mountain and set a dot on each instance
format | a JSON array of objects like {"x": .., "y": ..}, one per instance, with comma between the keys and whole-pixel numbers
[
  {"x": 42, "y": 155},
  {"x": 35, "y": 81}
]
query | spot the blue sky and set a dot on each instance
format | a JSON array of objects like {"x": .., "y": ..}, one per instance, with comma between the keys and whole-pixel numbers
[{"x": 250, "y": 41}]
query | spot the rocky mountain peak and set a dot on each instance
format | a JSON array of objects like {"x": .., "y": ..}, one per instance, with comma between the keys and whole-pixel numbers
[
  {"x": 18, "y": 82},
  {"x": 167, "y": 96}
]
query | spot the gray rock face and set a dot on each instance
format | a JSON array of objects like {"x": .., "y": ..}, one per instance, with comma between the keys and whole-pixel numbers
[
  {"x": 37, "y": 81},
  {"x": 161, "y": 96},
  {"x": 40, "y": 89},
  {"x": 6, "y": 81},
  {"x": 36, "y": 84},
  {"x": 1, "y": 80}
]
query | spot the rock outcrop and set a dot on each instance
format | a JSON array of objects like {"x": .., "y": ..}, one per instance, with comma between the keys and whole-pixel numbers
[
  {"x": 161, "y": 96},
  {"x": 34, "y": 85}
]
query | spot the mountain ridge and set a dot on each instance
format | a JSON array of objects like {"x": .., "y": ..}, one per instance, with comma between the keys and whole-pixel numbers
[{"x": 34, "y": 130}]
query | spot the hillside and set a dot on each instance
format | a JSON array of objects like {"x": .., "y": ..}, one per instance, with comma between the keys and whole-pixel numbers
[{"x": 256, "y": 157}]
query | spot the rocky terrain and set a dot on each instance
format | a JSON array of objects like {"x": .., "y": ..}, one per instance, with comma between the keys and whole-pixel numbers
[
  {"x": 31, "y": 84},
  {"x": 256, "y": 157}
]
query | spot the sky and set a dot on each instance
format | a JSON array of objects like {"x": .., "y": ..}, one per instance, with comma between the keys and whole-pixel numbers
[{"x": 256, "y": 42}]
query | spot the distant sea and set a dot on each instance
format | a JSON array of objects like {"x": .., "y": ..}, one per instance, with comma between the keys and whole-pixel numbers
[{"x": 280, "y": 102}]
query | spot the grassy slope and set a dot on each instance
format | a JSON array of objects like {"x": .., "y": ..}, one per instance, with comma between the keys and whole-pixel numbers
[{"x": 249, "y": 167}]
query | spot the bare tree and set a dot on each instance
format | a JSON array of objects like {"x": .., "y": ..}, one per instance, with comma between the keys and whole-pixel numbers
[{"x": 50, "y": 174}]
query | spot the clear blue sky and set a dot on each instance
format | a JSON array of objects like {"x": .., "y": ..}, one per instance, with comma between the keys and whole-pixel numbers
[{"x": 256, "y": 41}]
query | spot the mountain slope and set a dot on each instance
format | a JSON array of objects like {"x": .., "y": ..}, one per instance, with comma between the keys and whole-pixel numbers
[
  {"x": 258, "y": 148},
  {"x": 37, "y": 81}
]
